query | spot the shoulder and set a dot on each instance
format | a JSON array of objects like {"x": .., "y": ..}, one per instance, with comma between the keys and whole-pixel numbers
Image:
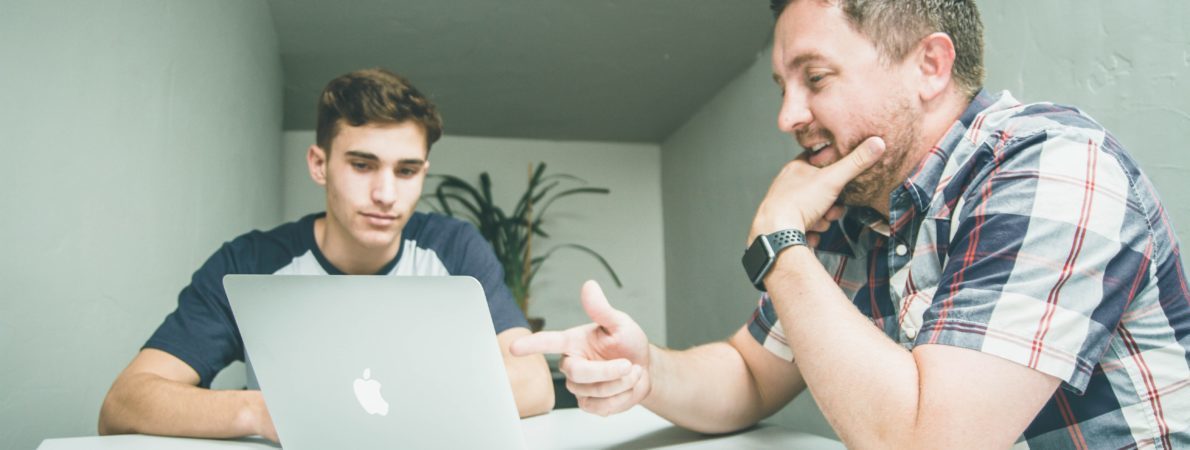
[
  {"x": 436, "y": 231},
  {"x": 266, "y": 251},
  {"x": 1045, "y": 141}
]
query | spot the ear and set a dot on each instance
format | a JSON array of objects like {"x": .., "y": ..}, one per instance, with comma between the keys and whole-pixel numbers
[
  {"x": 935, "y": 59},
  {"x": 316, "y": 162}
]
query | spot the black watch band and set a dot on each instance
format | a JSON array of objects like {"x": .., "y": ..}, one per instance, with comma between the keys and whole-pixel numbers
[
  {"x": 759, "y": 256},
  {"x": 785, "y": 238}
]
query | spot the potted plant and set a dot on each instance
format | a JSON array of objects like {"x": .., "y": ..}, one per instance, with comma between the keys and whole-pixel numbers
[{"x": 511, "y": 234}]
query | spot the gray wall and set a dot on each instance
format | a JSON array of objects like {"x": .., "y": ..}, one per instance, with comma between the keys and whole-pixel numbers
[
  {"x": 623, "y": 226},
  {"x": 1126, "y": 65},
  {"x": 138, "y": 136}
]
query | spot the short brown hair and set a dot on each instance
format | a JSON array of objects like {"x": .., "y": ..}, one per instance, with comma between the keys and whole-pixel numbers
[
  {"x": 896, "y": 26},
  {"x": 373, "y": 96}
]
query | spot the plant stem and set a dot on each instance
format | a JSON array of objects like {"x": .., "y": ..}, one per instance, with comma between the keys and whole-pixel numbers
[{"x": 528, "y": 244}]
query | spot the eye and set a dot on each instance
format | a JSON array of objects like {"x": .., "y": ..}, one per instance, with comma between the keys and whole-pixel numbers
[
  {"x": 408, "y": 171},
  {"x": 816, "y": 80},
  {"x": 360, "y": 165}
]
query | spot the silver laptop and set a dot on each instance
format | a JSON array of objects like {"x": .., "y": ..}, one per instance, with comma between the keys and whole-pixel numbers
[{"x": 376, "y": 361}]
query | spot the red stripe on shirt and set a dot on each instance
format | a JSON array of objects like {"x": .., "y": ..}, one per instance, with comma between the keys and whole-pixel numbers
[
  {"x": 1139, "y": 275},
  {"x": 842, "y": 268},
  {"x": 1150, "y": 386},
  {"x": 1076, "y": 432},
  {"x": 1076, "y": 247},
  {"x": 973, "y": 240},
  {"x": 910, "y": 291}
]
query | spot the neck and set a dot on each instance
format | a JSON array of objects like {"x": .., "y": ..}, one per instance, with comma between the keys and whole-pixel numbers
[
  {"x": 937, "y": 118},
  {"x": 346, "y": 254}
]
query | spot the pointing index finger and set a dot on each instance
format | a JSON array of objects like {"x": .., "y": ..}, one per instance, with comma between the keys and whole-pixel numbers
[{"x": 542, "y": 342}]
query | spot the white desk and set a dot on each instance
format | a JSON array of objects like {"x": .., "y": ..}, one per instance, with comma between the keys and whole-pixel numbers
[{"x": 562, "y": 429}]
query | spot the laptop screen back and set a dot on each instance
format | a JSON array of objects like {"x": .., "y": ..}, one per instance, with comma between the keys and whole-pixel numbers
[{"x": 376, "y": 361}]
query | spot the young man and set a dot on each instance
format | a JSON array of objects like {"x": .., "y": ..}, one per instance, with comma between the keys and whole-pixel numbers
[
  {"x": 1024, "y": 282},
  {"x": 373, "y": 141}
]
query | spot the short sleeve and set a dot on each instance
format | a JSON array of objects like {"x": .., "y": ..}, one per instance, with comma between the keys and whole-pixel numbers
[
  {"x": 766, "y": 329},
  {"x": 1046, "y": 252},
  {"x": 475, "y": 258},
  {"x": 201, "y": 331}
]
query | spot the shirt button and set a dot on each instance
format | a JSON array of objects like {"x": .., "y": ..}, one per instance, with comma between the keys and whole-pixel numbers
[
  {"x": 910, "y": 331},
  {"x": 902, "y": 250}
]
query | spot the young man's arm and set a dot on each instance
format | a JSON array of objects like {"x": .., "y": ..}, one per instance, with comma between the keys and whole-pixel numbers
[
  {"x": 532, "y": 385},
  {"x": 158, "y": 394},
  {"x": 715, "y": 388}
]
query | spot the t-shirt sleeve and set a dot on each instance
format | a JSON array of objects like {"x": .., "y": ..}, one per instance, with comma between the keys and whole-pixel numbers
[
  {"x": 201, "y": 331},
  {"x": 475, "y": 258},
  {"x": 1046, "y": 253}
]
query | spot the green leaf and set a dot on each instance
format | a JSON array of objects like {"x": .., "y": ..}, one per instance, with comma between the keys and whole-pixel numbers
[
  {"x": 510, "y": 234},
  {"x": 538, "y": 261},
  {"x": 566, "y": 193}
]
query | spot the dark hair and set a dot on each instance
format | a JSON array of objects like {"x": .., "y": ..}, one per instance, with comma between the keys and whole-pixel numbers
[
  {"x": 896, "y": 26},
  {"x": 373, "y": 96}
]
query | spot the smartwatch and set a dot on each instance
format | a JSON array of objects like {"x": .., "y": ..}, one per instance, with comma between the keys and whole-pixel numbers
[{"x": 759, "y": 256}]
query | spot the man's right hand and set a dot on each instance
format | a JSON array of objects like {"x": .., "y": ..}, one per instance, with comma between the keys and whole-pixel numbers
[{"x": 606, "y": 363}]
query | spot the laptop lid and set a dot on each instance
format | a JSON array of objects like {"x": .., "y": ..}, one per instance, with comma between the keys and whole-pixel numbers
[{"x": 376, "y": 361}]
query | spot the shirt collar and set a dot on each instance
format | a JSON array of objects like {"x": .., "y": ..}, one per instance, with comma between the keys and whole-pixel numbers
[{"x": 919, "y": 188}]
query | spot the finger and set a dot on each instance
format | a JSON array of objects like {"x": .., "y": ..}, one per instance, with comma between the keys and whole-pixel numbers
[
  {"x": 835, "y": 213},
  {"x": 819, "y": 226},
  {"x": 543, "y": 342},
  {"x": 583, "y": 370},
  {"x": 598, "y": 309},
  {"x": 607, "y": 406},
  {"x": 606, "y": 388},
  {"x": 860, "y": 159},
  {"x": 812, "y": 239}
]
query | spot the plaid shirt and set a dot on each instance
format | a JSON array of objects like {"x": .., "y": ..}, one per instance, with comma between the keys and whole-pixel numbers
[{"x": 1029, "y": 233}]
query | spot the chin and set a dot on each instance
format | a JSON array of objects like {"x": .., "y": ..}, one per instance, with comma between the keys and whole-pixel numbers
[{"x": 376, "y": 239}]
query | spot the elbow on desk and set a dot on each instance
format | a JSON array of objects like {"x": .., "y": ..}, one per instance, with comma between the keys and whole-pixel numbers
[
  {"x": 107, "y": 424},
  {"x": 538, "y": 402}
]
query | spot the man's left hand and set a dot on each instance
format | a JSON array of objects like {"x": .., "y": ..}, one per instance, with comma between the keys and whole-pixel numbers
[{"x": 804, "y": 196}]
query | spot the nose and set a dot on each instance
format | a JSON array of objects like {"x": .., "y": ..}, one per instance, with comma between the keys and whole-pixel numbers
[
  {"x": 795, "y": 113},
  {"x": 384, "y": 190}
]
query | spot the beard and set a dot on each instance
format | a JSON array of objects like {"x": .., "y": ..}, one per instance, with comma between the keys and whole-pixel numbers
[{"x": 899, "y": 124}]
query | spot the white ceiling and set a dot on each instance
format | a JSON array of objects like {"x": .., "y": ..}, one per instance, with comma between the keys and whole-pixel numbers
[{"x": 605, "y": 70}]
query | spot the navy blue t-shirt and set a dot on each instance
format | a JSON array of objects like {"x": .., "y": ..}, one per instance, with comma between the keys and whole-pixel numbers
[{"x": 203, "y": 333}]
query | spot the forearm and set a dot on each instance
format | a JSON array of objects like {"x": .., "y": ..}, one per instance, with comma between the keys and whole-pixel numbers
[
  {"x": 708, "y": 389},
  {"x": 532, "y": 386},
  {"x": 867, "y": 386},
  {"x": 150, "y": 404}
]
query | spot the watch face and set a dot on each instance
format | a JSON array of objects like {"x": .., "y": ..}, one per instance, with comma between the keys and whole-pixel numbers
[{"x": 757, "y": 258}]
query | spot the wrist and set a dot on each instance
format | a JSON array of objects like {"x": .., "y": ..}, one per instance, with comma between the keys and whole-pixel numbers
[
  {"x": 252, "y": 410},
  {"x": 785, "y": 265},
  {"x": 652, "y": 368},
  {"x": 762, "y": 254}
]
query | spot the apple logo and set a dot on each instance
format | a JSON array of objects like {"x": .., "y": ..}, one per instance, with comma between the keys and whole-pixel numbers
[{"x": 367, "y": 391}]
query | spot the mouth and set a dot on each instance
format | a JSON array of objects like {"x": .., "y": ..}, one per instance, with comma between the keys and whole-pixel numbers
[
  {"x": 813, "y": 149},
  {"x": 378, "y": 219}
]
